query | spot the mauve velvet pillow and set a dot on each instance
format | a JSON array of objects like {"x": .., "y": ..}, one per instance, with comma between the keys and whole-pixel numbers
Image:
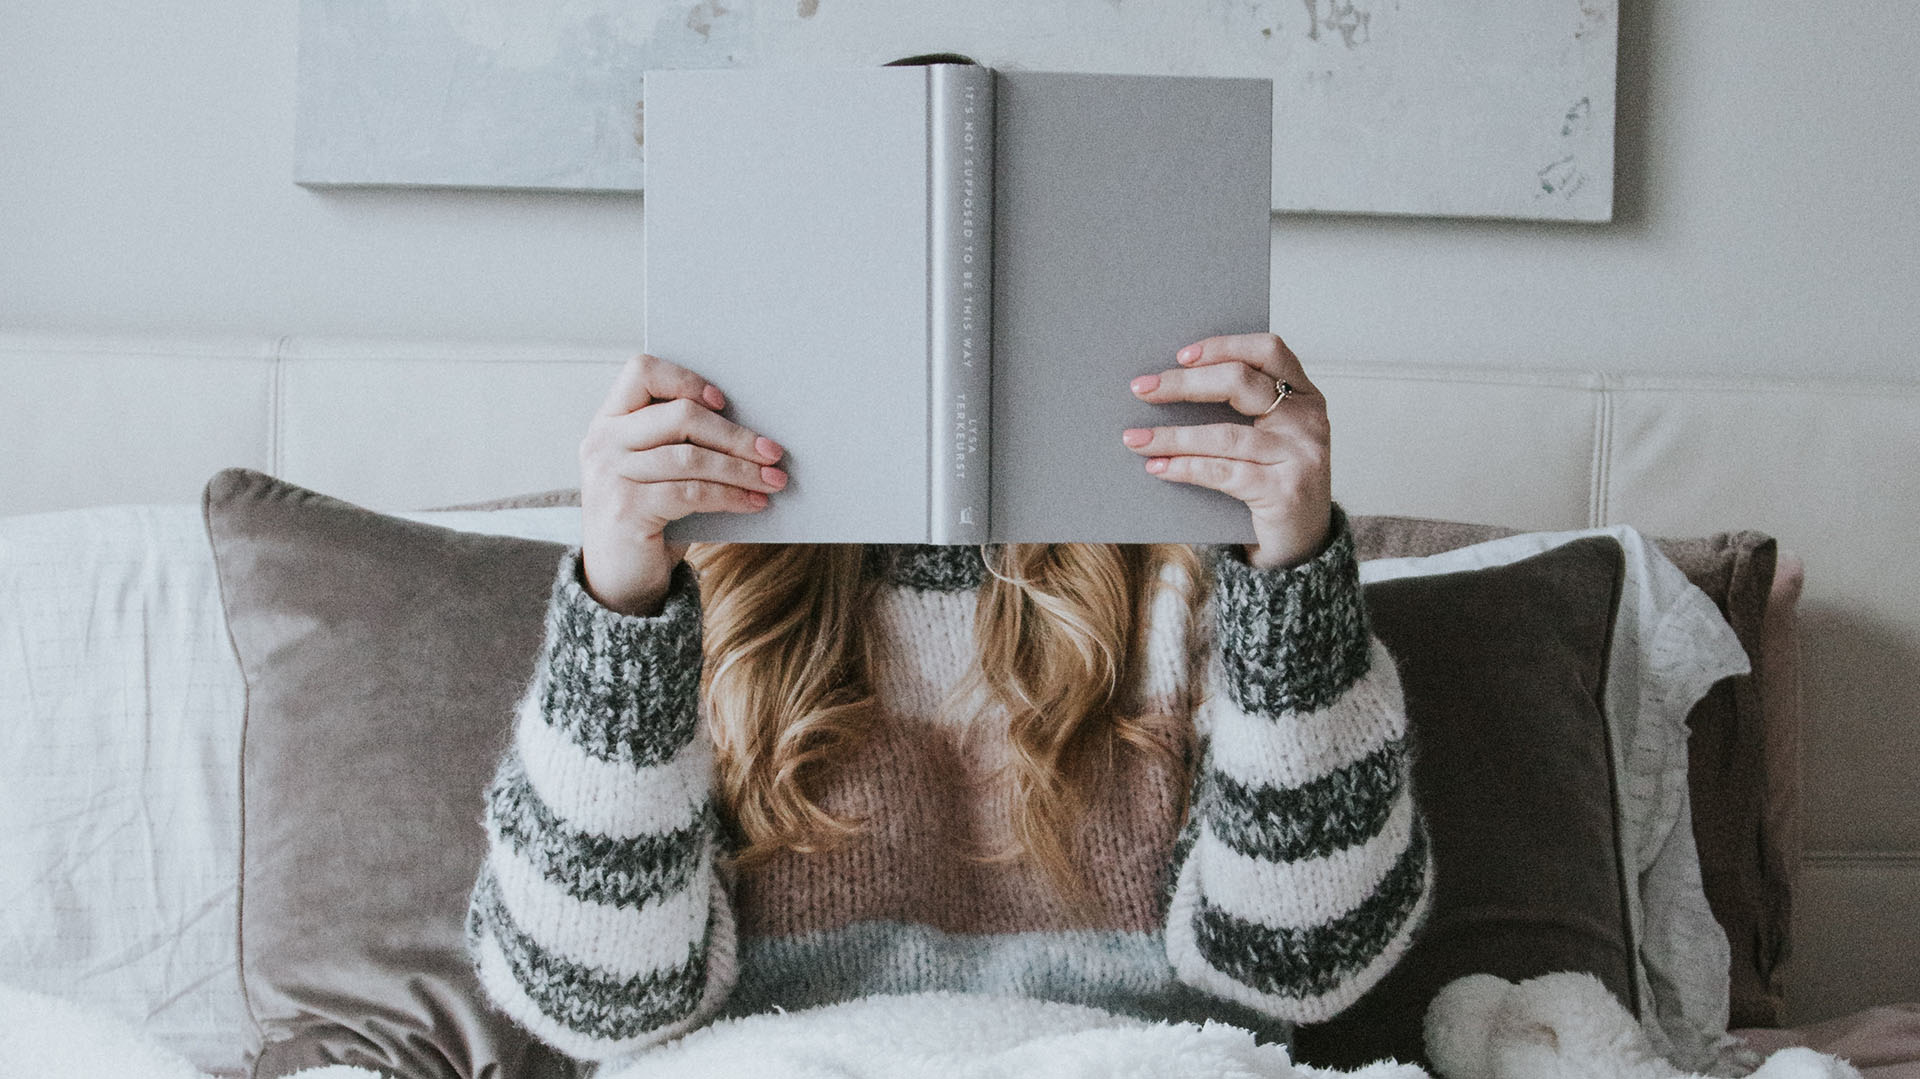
[
  {"x": 1504, "y": 671},
  {"x": 382, "y": 658}
]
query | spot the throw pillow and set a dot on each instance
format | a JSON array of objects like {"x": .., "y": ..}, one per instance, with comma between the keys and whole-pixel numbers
[
  {"x": 1504, "y": 672},
  {"x": 1742, "y": 786},
  {"x": 381, "y": 657},
  {"x": 1671, "y": 645}
]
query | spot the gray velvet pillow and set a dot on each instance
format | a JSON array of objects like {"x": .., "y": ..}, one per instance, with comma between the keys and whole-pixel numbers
[
  {"x": 1504, "y": 670},
  {"x": 1741, "y": 785},
  {"x": 382, "y": 660}
]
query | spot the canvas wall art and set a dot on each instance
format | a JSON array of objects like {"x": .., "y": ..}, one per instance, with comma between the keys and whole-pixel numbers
[{"x": 1426, "y": 107}]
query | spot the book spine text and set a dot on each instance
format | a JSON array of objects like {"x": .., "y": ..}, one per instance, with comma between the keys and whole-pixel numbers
[{"x": 960, "y": 300}]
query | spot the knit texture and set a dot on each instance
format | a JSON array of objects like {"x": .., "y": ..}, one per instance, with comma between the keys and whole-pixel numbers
[
  {"x": 595, "y": 917},
  {"x": 928, "y": 567},
  {"x": 1292, "y": 639},
  {"x": 607, "y": 919}
]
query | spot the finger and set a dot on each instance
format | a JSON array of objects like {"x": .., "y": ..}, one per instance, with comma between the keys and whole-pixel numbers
[
  {"x": 686, "y": 461},
  {"x": 647, "y": 378},
  {"x": 1249, "y": 391},
  {"x": 681, "y": 420},
  {"x": 1264, "y": 352},
  {"x": 1241, "y": 479},
  {"x": 705, "y": 496},
  {"x": 1236, "y": 440}
]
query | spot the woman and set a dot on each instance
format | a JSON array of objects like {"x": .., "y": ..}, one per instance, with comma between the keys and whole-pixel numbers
[{"x": 1167, "y": 782}]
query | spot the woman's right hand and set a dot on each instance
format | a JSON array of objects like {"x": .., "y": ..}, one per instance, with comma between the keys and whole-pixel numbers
[{"x": 656, "y": 451}]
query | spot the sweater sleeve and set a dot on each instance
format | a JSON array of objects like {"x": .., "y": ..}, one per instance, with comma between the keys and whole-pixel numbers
[
  {"x": 1303, "y": 870},
  {"x": 599, "y": 920}
]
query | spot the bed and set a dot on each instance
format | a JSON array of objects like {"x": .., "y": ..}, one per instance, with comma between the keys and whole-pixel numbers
[{"x": 1791, "y": 506}]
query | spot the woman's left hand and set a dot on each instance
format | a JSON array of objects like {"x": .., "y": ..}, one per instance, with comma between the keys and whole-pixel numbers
[{"x": 1279, "y": 465}]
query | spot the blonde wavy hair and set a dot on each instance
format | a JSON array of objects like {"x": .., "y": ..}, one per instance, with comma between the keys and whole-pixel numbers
[{"x": 1058, "y": 633}]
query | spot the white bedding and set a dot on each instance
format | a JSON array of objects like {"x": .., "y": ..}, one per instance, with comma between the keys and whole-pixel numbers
[
  {"x": 121, "y": 706},
  {"x": 120, "y": 709}
]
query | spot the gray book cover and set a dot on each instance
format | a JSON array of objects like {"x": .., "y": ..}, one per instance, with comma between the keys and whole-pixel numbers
[{"x": 790, "y": 258}]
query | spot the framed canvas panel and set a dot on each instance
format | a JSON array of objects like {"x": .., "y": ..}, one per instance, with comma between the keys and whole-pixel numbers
[{"x": 1425, "y": 107}]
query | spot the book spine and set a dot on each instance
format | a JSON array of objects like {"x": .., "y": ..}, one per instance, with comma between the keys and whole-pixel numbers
[{"x": 959, "y": 300}]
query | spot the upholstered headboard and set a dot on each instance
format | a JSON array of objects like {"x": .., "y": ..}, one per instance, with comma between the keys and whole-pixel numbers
[{"x": 1828, "y": 468}]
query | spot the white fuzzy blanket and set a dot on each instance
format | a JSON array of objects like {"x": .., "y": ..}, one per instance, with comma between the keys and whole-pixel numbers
[
  {"x": 1557, "y": 1027},
  {"x": 955, "y": 1036}
]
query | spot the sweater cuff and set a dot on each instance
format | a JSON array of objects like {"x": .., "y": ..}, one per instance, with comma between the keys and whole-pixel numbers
[
  {"x": 623, "y": 687},
  {"x": 1291, "y": 639}
]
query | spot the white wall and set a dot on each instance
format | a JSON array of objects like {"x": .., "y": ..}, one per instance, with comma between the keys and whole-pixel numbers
[{"x": 1766, "y": 217}]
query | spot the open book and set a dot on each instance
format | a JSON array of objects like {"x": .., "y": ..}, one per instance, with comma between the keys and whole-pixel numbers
[{"x": 933, "y": 284}]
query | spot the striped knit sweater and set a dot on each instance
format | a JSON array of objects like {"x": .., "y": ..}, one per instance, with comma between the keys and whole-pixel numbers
[{"x": 606, "y": 918}]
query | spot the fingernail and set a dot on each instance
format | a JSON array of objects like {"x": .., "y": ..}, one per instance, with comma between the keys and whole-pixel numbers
[
  {"x": 1146, "y": 383},
  {"x": 1188, "y": 354},
  {"x": 1156, "y": 465},
  {"x": 773, "y": 477},
  {"x": 1136, "y": 436},
  {"x": 768, "y": 448},
  {"x": 713, "y": 397},
  {"x": 757, "y": 500}
]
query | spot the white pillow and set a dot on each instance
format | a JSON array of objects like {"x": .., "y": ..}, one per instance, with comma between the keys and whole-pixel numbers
[
  {"x": 1670, "y": 645},
  {"x": 121, "y": 705}
]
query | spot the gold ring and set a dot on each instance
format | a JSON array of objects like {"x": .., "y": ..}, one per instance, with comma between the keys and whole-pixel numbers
[{"x": 1281, "y": 391}]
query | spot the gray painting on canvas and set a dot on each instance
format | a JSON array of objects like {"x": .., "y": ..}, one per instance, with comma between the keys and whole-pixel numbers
[{"x": 1430, "y": 107}]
